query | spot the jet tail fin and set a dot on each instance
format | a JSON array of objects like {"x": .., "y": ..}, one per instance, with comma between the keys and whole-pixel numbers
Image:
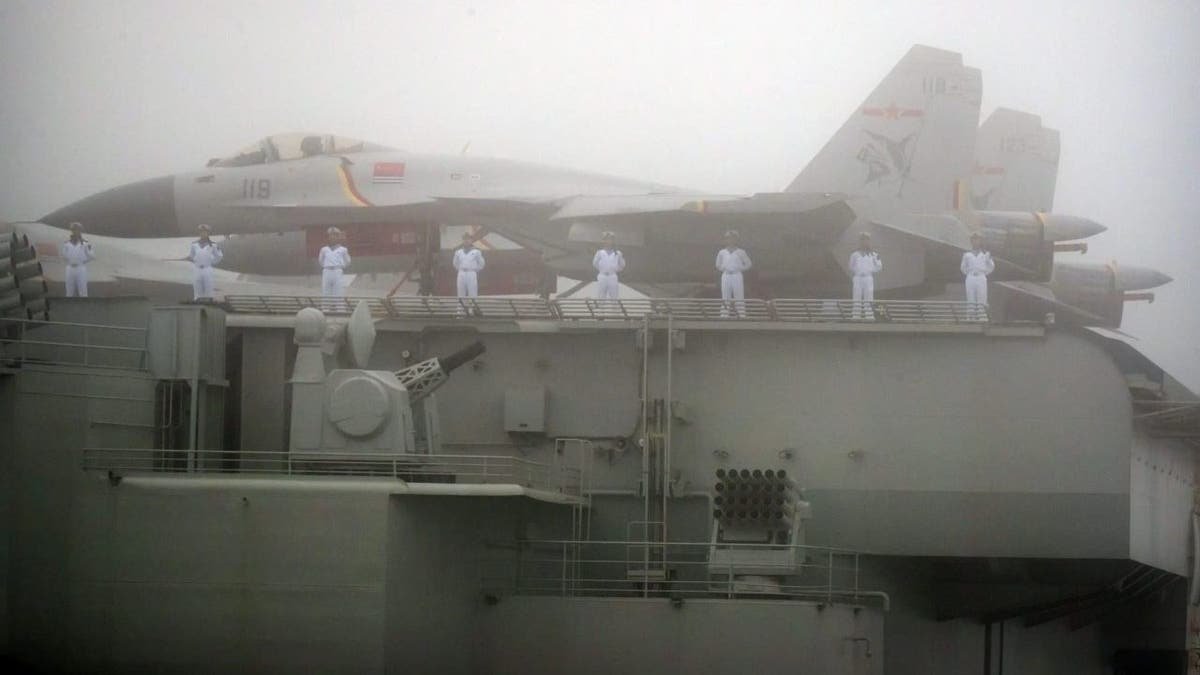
[
  {"x": 1016, "y": 164},
  {"x": 911, "y": 139}
]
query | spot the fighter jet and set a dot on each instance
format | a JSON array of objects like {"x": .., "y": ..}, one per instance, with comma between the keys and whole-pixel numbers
[
  {"x": 1016, "y": 169},
  {"x": 891, "y": 170}
]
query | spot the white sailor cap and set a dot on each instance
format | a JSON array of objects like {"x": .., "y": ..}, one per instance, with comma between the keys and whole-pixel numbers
[
  {"x": 732, "y": 233},
  {"x": 333, "y": 231},
  {"x": 606, "y": 235},
  {"x": 76, "y": 226},
  {"x": 203, "y": 227}
]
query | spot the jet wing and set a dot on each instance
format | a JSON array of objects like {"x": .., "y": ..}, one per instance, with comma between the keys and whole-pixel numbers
[
  {"x": 1040, "y": 294},
  {"x": 153, "y": 267},
  {"x": 817, "y": 217},
  {"x": 616, "y": 206},
  {"x": 289, "y": 216},
  {"x": 610, "y": 207},
  {"x": 947, "y": 235},
  {"x": 309, "y": 215}
]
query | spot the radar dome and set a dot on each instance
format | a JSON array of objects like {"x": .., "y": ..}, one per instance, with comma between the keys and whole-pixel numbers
[{"x": 310, "y": 325}]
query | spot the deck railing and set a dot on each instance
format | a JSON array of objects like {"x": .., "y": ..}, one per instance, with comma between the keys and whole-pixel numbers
[
  {"x": 444, "y": 468},
  {"x": 589, "y": 309},
  {"x": 585, "y": 568},
  {"x": 61, "y": 343}
]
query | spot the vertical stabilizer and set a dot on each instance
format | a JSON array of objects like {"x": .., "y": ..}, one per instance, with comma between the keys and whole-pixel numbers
[
  {"x": 910, "y": 139},
  {"x": 1016, "y": 163}
]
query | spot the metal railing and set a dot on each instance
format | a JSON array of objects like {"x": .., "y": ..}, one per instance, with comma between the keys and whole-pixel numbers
[
  {"x": 896, "y": 311},
  {"x": 460, "y": 469},
  {"x": 432, "y": 307},
  {"x": 290, "y": 304},
  {"x": 589, "y": 309},
  {"x": 72, "y": 344},
  {"x": 575, "y": 568},
  {"x": 693, "y": 309},
  {"x": 1168, "y": 419}
]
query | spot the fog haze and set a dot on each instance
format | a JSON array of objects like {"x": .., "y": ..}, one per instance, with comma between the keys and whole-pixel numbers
[{"x": 711, "y": 96}]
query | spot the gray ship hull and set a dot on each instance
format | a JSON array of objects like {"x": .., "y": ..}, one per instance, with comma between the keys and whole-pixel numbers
[{"x": 982, "y": 493}]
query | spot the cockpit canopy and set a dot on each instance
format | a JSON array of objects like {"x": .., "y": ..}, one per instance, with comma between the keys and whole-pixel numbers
[{"x": 286, "y": 147}]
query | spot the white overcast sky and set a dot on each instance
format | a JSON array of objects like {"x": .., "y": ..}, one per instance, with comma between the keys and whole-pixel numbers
[{"x": 729, "y": 97}]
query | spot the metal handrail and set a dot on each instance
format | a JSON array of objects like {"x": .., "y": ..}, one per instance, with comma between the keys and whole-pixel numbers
[
  {"x": 40, "y": 322},
  {"x": 573, "y": 567},
  {"x": 290, "y": 304},
  {"x": 464, "y": 469},
  {"x": 804, "y": 310},
  {"x": 15, "y": 345},
  {"x": 456, "y": 307}
]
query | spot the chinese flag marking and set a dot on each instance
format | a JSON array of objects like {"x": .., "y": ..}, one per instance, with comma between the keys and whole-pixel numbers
[{"x": 388, "y": 172}]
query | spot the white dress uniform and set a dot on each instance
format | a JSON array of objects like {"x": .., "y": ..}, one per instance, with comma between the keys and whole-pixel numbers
[
  {"x": 333, "y": 260},
  {"x": 468, "y": 262},
  {"x": 863, "y": 267},
  {"x": 203, "y": 257},
  {"x": 975, "y": 268},
  {"x": 76, "y": 256},
  {"x": 732, "y": 263},
  {"x": 608, "y": 264}
]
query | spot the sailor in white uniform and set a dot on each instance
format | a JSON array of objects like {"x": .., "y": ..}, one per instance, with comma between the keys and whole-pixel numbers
[
  {"x": 976, "y": 265},
  {"x": 468, "y": 260},
  {"x": 864, "y": 264},
  {"x": 731, "y": 262},
  {"x": 608, "y": 262},
  {"x": 334, "y": 259},
  {"x": 76, "y": 253},
  {"x": 203, "y": 253}
]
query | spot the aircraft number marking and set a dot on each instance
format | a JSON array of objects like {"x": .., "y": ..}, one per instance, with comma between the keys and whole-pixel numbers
[{"x": 256, "y": 188}]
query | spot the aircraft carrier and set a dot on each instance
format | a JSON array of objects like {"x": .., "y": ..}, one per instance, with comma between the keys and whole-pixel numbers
[
  {"x": 431, "y": 485},
  {"x": 276, "y": 483}
]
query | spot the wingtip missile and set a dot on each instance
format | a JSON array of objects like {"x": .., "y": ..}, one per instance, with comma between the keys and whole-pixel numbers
[
  {"x": 1108, "y": 276},
  {"x": 1058, "y": 227},
  {"x": 1132, "y": 278}
]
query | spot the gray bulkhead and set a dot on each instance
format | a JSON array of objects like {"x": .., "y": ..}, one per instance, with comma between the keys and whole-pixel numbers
[{"x": 908, "y": 444}]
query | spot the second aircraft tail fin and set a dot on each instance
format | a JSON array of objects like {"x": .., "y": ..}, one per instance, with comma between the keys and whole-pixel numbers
[{"x": 1016, "y": 164}]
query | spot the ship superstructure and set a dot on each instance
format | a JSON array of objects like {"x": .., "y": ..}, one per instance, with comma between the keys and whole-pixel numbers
[{"x": 626, "y": 486}]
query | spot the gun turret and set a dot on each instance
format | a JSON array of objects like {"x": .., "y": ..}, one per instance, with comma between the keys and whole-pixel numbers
[{"x": 421, "y": 379}]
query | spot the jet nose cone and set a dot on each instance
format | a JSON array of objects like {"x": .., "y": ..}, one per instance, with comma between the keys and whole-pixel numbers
[
  {"x": 1068, "y": 228},
  {"x": 145, "y": 209},
  {"x": 1140, "y": 278}
]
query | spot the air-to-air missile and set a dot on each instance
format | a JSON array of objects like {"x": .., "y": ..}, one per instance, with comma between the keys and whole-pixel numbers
[{"x": 1085, "y": 293}]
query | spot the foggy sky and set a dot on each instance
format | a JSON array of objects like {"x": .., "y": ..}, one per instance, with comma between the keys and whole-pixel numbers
[{"x": 703, "y": 95}]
